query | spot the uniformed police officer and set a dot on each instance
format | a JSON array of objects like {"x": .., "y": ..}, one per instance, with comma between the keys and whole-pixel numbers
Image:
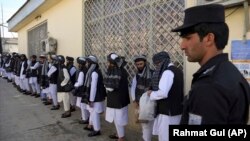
[{"x": 219, "y": 93}]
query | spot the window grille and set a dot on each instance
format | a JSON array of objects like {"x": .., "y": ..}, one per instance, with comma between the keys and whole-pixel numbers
[
  {"x": 132, "y": 27},
  {"x": 35, "y": 36}
]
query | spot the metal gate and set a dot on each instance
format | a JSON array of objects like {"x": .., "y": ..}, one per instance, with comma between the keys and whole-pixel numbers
[
  {"x": 35, "y": 36},
  {"x": 132, "y": 27}
]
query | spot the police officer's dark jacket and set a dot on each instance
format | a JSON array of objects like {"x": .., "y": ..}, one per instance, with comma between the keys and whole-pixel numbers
[{"x": 219, "y": 94}]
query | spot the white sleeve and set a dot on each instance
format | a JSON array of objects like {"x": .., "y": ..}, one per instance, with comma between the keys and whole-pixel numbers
[
  {"x": 7, "y": 65},
  {"x": 165, "y": 85},
  {"x": 79, "y": 81},
  {"x": 94, "y": 80},
  {"x": 133, "y": 87},
  {"x": 51, "y": 70},
  {"x": 35, "y": 66},
  {"x": 66, "y": 77}
]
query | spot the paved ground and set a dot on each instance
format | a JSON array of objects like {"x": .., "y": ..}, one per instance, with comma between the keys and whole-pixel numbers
[{"x": 25, "y": 118}]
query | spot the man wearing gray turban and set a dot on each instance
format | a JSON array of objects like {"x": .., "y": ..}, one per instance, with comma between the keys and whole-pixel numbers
[{"x": 167, "y": 90}]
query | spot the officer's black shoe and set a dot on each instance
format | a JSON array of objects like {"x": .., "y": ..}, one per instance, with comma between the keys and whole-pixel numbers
[{"x": 94, "y": 133}]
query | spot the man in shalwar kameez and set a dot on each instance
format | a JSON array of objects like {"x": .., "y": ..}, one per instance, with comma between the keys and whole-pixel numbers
[
  {"x": 116, "y": 83},
  {"x": 167, "y": 90},
  {"x": 79, "y": 87},
  {"x": 97, "y": 93},
  {"x": 140, "y": 84}
]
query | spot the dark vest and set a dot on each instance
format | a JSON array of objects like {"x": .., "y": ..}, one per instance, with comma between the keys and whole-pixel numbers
[
  {"x": 1, "y": 62},
  {"x": 172, "y": 105},
  {"x": 142, "y": 86},
  {"x": 24, "y": 66},
  {"x": 54, "y": 76},
  {"x": 79, "y": 90},
  {"x": 18, "y": 67},
  {"x": 33, "y": 71},
  {"x": 43, "y": 80},
  {"x": 8, "y": 69},
  {"x": 101, "y": 91},
  {"x": 60, "y": 78},
  {"x": 73, "y": 77},
  {"x": 119, "y": 98}
]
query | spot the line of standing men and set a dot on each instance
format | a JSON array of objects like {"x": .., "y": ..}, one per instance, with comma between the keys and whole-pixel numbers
[
  {"x": 216, "y": 96},
  {"x": 91, "y": 88}
]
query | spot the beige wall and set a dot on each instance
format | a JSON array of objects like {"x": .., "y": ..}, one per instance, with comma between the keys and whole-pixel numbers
[
  {"x": 64, "y": 22},
  {"x": 236, "y": 26}
]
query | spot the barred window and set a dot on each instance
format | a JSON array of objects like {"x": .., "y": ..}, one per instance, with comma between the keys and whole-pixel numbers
[{"x": 35, "y": 36}]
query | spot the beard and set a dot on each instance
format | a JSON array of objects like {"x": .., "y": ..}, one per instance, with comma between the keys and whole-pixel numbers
[{"x": 140, "y": 70}]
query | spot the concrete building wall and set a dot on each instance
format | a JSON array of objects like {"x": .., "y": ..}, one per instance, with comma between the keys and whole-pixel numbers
[
  {"x": 64, "y": 22},
  {"x": 9, "y": 45}
]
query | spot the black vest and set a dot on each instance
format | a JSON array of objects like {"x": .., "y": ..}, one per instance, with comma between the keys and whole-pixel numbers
[
  {"x": 18, "y": 67},
  {"x": 119, "y": 98},
  {"x": 60, "y": 78},
  {"x": 33, "y": 71},
  {"x": 43, "y": 80},
  {"x": 73, "y": 77},
  {"x": 25, "y": 65},
  {"x": 79, "y": 91},
  {"x": 100, "y": 90},
  {"x": 54, "y": 76},
  {"x": 172, "y": 105},
  {"x": 142, "y": 86}
]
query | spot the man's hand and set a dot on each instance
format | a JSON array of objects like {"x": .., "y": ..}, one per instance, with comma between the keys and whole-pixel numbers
[
  {"x": 91, "y": 104},
  {"x": 149, "y": 92},
  {"x": 136, "y": 105}
]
